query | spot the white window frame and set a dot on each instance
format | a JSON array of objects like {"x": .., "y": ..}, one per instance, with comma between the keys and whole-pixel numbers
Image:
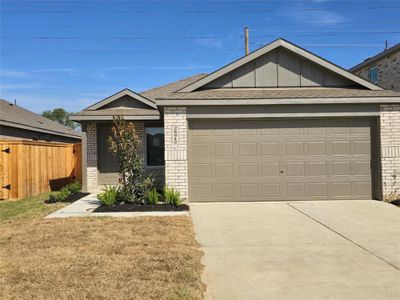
[{"x": 369, "y": 74}]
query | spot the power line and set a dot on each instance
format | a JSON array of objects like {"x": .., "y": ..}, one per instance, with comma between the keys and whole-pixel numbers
[{"x": 114, "y": 38}]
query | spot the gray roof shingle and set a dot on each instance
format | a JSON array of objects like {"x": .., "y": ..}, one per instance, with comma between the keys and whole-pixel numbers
[
  {"x": 126, "y": 111},
  {"x": 15, "y": 116},
  {"x": 278, "y": 93}
]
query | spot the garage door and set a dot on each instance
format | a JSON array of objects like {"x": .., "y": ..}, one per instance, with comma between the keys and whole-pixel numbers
[{"x": 280, "y": 160}]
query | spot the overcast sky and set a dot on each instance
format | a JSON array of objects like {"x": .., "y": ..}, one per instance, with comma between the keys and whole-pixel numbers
[{"x": 72, "y": 53}]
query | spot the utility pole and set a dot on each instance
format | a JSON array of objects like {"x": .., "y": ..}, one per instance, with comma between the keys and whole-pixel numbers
[{"x": 246, "y": 40}]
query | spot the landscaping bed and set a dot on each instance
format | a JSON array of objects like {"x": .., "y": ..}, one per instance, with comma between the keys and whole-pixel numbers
[{"x": 127, "y": 207}]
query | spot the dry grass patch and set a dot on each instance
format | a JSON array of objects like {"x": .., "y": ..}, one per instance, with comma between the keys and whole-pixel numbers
[{"x": 100, "y": 258}]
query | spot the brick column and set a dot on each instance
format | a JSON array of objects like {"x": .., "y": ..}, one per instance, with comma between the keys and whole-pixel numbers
[
  {"x": 390, "y": 148},
  {"x": 91, "y": 169},
  {"x": 176, "y": 167}
]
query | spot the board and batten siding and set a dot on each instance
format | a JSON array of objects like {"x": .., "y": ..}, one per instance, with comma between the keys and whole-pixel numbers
[{"x": 279, "y": 68}]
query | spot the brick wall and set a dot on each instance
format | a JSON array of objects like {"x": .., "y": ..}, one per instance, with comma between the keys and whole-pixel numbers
[
  {"x": 91, "y": 169},
  {"x": 390, "y": 148},
  {"x": 388, "y": 71},
  {"x": 176, "y": 166}
]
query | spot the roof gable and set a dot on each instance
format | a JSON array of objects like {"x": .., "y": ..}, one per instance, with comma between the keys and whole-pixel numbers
[
  {"x": 122, "y": 94},
  {"x": 280, "y": 64}
]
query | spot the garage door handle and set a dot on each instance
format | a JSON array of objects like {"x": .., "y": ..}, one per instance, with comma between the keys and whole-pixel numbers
[{"x": 282, "y": 171}]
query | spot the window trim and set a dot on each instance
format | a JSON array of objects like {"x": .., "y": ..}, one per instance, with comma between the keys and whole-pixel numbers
[
  {"x": 145, "y": 147},
  {"x": 369, "y": 74}
]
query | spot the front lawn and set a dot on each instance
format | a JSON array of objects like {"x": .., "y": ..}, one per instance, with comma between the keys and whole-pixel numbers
[
  {"x": 96, "y": 258},
  {"x": 28, "y": 208}
]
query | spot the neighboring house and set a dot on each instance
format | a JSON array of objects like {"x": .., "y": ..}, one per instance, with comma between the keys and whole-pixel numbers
[
  {"x": 18, "y": 123},
  {"x": 278, "y": 124},
  {"x": 382, "y": 69}
]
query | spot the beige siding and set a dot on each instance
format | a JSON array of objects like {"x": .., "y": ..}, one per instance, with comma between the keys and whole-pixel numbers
[{"x": 279, "y": 68}]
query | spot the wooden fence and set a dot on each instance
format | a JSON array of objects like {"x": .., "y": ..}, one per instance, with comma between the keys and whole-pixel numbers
[{"x": 28, "y": 168}]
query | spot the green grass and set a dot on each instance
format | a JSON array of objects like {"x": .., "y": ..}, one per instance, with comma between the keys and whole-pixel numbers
[{"x": 28, "y": 208}]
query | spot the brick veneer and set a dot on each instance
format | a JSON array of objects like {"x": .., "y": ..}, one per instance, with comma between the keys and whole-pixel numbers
[
  {"x": 390, "y": 148},
  {"x": 91, "y": 169},
  {"x": 176, "y": 166}
]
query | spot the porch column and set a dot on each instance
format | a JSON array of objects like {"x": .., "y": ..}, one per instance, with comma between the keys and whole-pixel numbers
[
  {"x": 175, "y": 131},
  {"x": 91, "y": 167},
  {"x": 390, "y": 148}
]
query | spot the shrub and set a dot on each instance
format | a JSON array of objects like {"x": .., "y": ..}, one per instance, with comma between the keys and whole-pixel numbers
[
  {"x": 60, "y": 196},
  {"x": 109, "y": 195},
  {"x": 152, "y": 197},
  {"x": 74, "y": 187},
  {"x": 126, "y": 147},
  {"x": 172, "y": 196}
]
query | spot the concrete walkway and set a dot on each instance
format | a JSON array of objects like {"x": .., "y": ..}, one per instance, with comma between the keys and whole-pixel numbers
[
  {"x": 300, "y": 250},
  {"x": 81, "y": 208},
  {"x": 84, "y": 208}
]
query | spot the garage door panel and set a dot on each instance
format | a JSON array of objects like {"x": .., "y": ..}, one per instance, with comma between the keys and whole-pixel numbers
[
  {"x": 201, "y": 150},
  {"x": 270, "y": 148},
  {"x": 294, "y": 148},
  {"x": 271, "y": 190},
  {"x": 295, "y": 168},
  {"x": 202, "y": 170},
  {"x": 279, "y": 160},
  {"x": 248, "y": 169},
  {"x": 362, "y": 188},
  {"x": 248, "y": 190},
  {"x": 341, "y": 189},
  {"x": 317, "y": 168},
  {"x": 247, "y": 149},
  {"x": 318, "y": 189},
  {"x": 316, "y": 148},
  {"x": 223, "y": 149},
  {"x": 361, "y": 147},
  {"x": 223, "y": 191},
  {"x": 223, "y": 170},
  {"x": 270, "y": 169}
]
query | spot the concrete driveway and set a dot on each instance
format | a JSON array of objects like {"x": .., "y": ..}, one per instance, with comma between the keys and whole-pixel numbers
[{"x": 300, "y": 250}]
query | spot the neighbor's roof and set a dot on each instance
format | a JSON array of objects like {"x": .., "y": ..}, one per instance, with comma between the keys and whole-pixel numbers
[
  {"x": 15, "y": 116},
  {"x": 376, "y": 57}
]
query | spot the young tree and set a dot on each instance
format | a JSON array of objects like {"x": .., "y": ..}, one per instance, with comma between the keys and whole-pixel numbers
[
  {"x": 125, "y": 145},
  {"x": 60, "y": 115}
]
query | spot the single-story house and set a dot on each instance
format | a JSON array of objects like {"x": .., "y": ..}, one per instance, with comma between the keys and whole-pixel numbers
[
  {"x": 17, "y": 122},
  {"x": 278, "y": 124}
]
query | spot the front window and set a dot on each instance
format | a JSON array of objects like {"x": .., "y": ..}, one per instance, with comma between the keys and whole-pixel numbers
[
  {"x": 155, "y": 146},
  {"x": 373, "y": 74}
]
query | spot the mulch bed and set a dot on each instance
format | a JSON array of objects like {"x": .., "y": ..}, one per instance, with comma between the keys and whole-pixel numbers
[
  {"x": 72, "y": 198},
  {"x": 143, "y": 208},
  {"x": 396, "y": 202}
]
